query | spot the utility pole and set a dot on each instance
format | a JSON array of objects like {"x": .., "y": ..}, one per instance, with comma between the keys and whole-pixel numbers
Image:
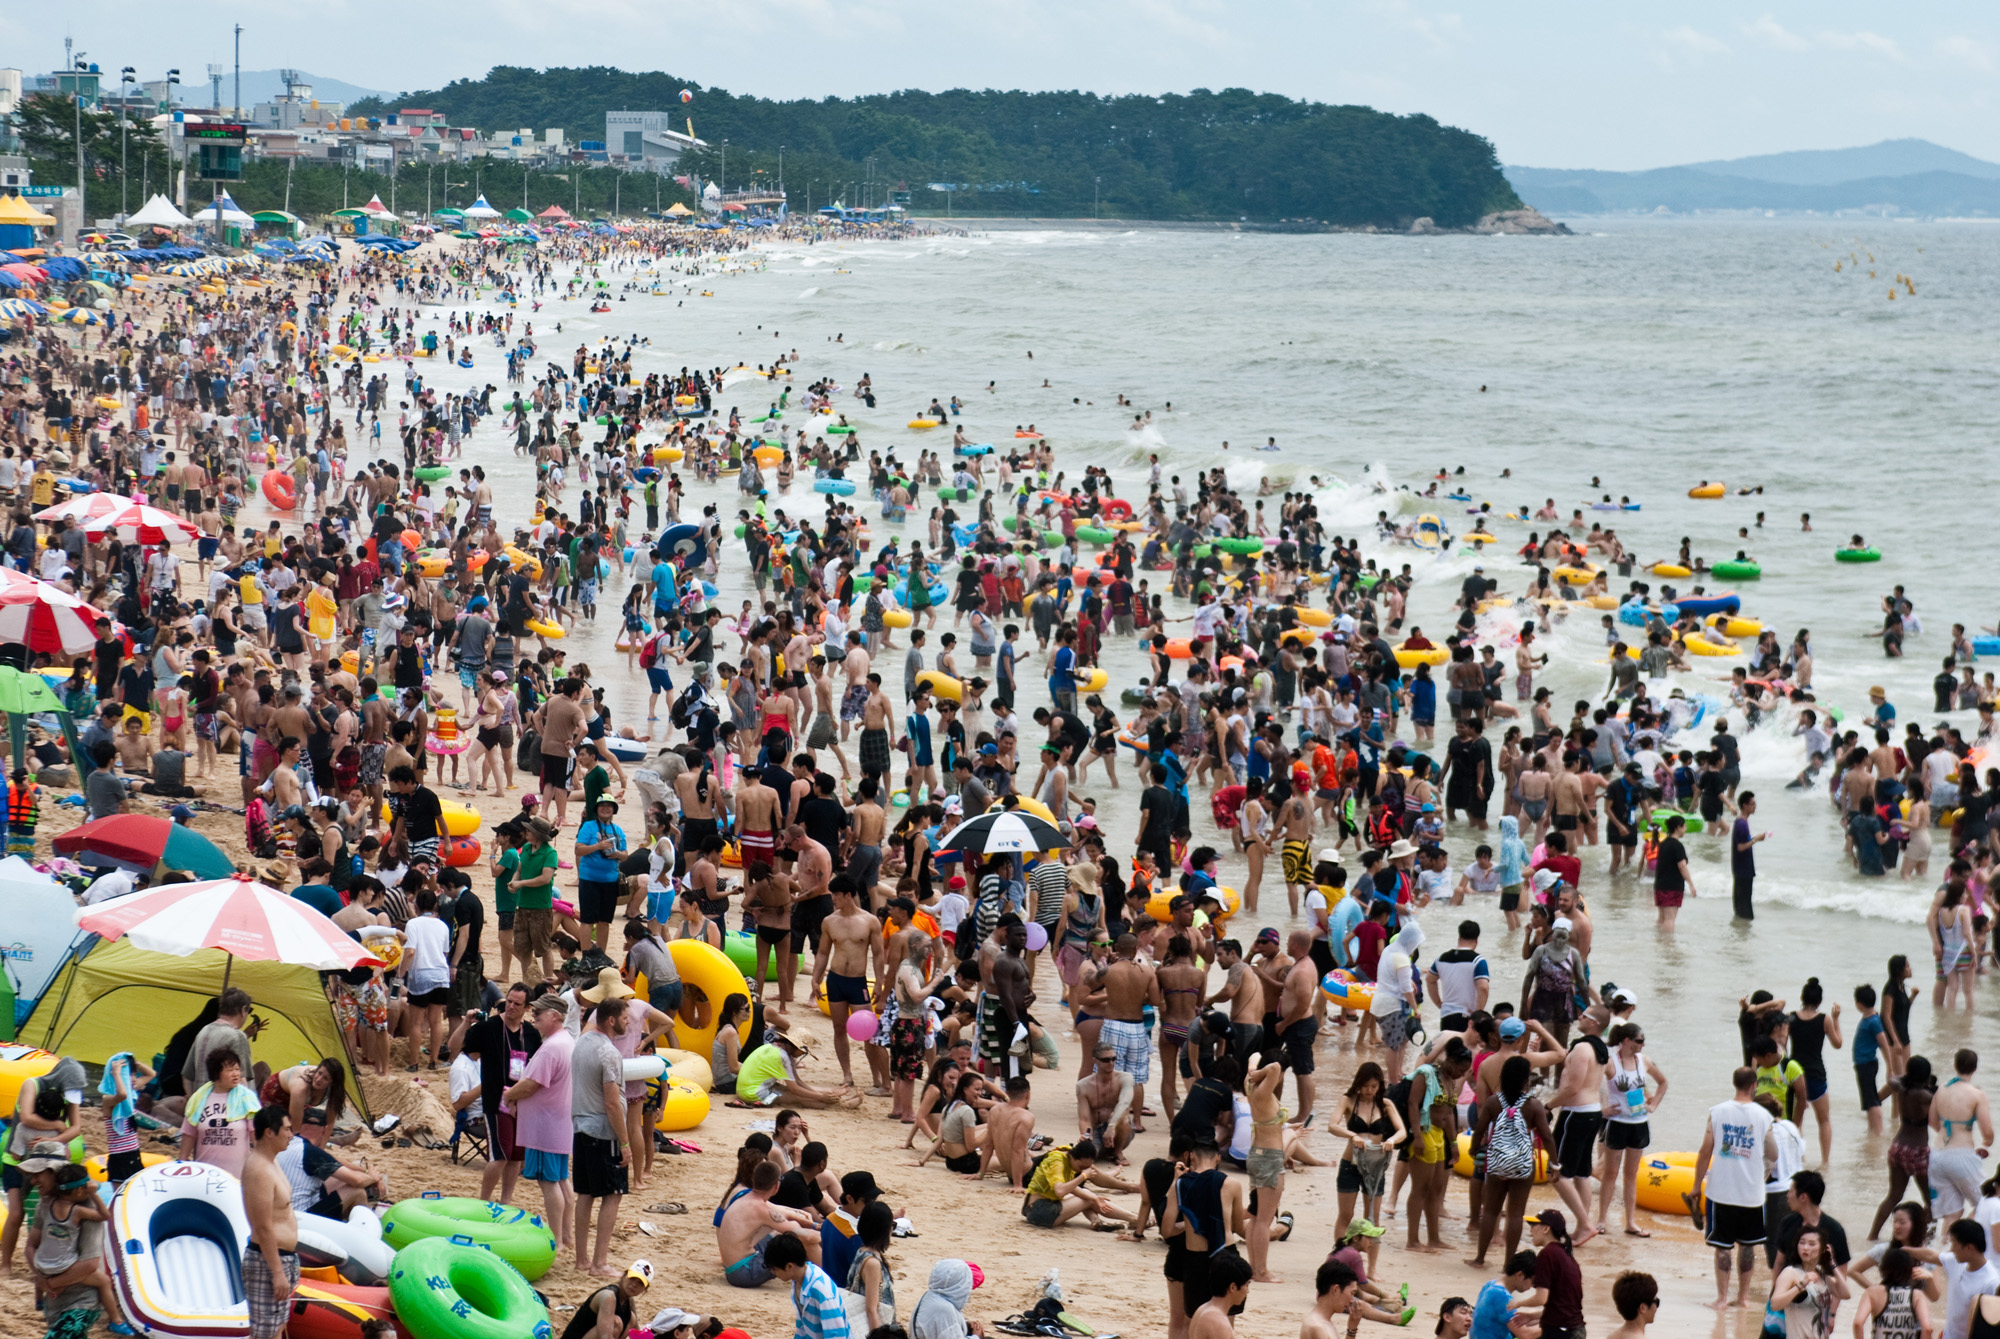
[
  {"x": 125, "y": 82},
  {"x": 781, "y": 169},
  {"x": 215, "y": 85},
  {"x": 345, "y": 164},
  {"x": 239, "y": 71},
  {"x": 722, "y": 181},
  {"x": 427, "y": 189},
  {"x": 76, "y": 96},
  {"x": 524, "y": 188},
  {"x": 1094, "y": 181},
  {"x": 617, "y": 187},
  {"x": 290, "y": 163}
]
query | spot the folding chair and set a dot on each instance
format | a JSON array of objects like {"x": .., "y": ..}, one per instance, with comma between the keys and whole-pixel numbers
[{"x": 469, "y": 1125}]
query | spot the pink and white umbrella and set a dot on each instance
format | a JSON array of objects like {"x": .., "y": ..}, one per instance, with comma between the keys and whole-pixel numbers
[
  {"x": 238, "y": 915},
  {"x": 43, "y": 616},
  {"x": 137, "y": 523},
  {"x": 84, "y": 507}
]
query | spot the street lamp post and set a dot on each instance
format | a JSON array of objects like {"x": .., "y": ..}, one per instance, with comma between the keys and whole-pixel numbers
[
  {"x": 125, "y": 82},
  {"x": 1094, "y": 181},
  {"x": 76, "y": 96},
  {"x": 781, "y": 169},
  {"x": 145, "y": 154}
]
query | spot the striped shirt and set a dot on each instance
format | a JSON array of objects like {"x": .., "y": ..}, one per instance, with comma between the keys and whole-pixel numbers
[{"x": 821, "y": 1315}]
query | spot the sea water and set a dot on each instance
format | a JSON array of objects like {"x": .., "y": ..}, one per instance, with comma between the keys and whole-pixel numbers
[{"x": 1653, "y": 354}]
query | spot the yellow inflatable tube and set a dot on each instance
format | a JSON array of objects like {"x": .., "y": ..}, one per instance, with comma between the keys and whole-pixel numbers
[
  {"x": 1671, "y": 570},
  {"x": 1708, "y": 490},
  {"x": 524, "y": 562},
  {"x": 1731, "y": 626},
  {"x": 687, "y": 1067},
  {"x": 18, "y": 1064},
  {"x": 1663, "y": 1180},
  {"x": 897, "y": 618},
  {"x": 667, "y": 455},
  {"x": 1463, "y": 1166},
  {"x": 1160, "y": 906},
  {"x": 1313, "y": 618},
  {"x": 709, "y": 978},
  {"x": 686, "y": 1106},
  {"x": 1702, "y": 646},
  {"x": 942, "y": 686},
  {"x": 1573, "y": 576},
  {"x": 548, "y": 632},
  {"x": 1410, "y": 658},
  {"x": 460, "y": 820},
  {"x": 1095, "y": 680}
]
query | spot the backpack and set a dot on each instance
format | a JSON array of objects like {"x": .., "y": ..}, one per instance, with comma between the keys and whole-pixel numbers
[
  {"x": 1555, "y": 990},
  {"x": 1510, "y": 1148},
  {"x": 649, "y": 654}
]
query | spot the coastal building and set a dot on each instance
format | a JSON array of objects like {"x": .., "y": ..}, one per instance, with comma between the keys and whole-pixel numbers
[{"x": 645, "y": 141}]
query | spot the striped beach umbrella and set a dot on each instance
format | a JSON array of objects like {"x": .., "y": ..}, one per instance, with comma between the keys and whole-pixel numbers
[
  {"x": 137, "y": 523},
  {"x": 84, "y": 507},
  {"x": 238, "y": 915},
  {"x": 44, "y": 617}
]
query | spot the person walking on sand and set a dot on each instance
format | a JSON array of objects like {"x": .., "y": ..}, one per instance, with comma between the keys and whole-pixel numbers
[
  {"x": 1960, "y": 1110},
  {"x": 1730, "y": 1170}
]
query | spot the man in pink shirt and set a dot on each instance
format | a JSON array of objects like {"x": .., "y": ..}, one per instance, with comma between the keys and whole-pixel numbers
[{"x": 541, "y": 1105}]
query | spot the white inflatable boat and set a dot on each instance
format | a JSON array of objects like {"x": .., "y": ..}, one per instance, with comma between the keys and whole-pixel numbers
[{"x": 175, "y": 1249}]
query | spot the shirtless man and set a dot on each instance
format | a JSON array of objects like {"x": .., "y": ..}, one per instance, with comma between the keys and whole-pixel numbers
[
  {"x": 698, "y": 791},
  {"x": 757, "y": 807},
  {"x": 820, "y": 734},
  {"x": 751, "y": 1220},
  {"x": 1006, "y": 976},
  {"x": 854, "y": 668},
  {"x": 1517, "y": 1037},
  {"x": 1295, "y": 831},
  {"x": 867, "y": 824},
  {"x": 812, "y": 875},
  {"x": 271, "y": 1255},
  {"x": 1129, "y": 986},
  {"x": 1960, "y": 1110},
  {"x": 878, "y": 730},
  {"x": 1298, "y": 1026},
  {"x": 1105, "y": 1098},
  {"x": 1010, "y": 1127},
  {"x": 1566, "y": 807},
  {"x": 283, "y": 782},
  {"x": 1579, "y": 1113},
  {"x": 1245, "y": 993},
  {"x": 769, "y": 897},
  {"x": 850, "y": 946}
]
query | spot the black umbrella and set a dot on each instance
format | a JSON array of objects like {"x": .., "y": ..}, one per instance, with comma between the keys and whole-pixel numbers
[{"x": 1003, "y": 830}]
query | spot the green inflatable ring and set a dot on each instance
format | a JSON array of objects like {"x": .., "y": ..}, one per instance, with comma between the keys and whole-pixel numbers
[
  {"x": 1011, "y": 524},
  {"x": 1091, "y": 534},
  {"x": 425, "y": 474},
  {"x": 838, "y": 431},
  {"x": 1052, "y": 539},
  {"x": 1242, "y": 547},
  {"x": 444, "y": 1289},
  {"x": 516, "y": 1236},
  {"x": 1857, "y": 555},
  {"x": 1132, "y": 697},
  {"x": 955, "y": 494},
  {"x": 1735, "y": 571},
  {"x": 1658, "y": 820},
  {"x": 1202, "y": 550},
  {"x": 740, "y": 947}
]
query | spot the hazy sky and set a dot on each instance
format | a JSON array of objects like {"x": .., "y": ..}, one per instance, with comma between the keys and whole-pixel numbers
[{"x": 1554, "y": 85}]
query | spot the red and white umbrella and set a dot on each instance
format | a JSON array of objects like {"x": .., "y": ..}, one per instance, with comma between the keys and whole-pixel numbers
[
  {"x": 238, "y": 915},
  {"x": 137, "y": 523},
  {"x": 84, "y": 507},
  {"x": 43, "y": 616}
]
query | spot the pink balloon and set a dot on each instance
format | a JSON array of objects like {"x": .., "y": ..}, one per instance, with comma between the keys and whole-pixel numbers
[
  {"x": 1038, "y": 937},
  {"x": 861, "y": 1025}
]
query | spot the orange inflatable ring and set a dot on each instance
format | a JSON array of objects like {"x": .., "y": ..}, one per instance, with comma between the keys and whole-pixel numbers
[
  {"x": 281, "y": 490},
  {"x": 461, "y": 851},
  {"x": 412, "y": 541},
  {"x": 1179, "y": 649},
  {"x": 1117, "y": 509}
]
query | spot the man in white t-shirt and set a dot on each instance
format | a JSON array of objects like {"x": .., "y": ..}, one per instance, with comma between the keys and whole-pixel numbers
[
  {"x": 1735, "y": 1158},
  {"x": 1968, "y": 1274}
]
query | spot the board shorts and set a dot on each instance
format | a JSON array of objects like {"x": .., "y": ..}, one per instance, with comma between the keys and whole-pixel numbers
[
  {"x": 1298, "y": 862},
  {"x": 537, "y": 1165},
  {"x": 749, "y": 1272},
  {"x": 851, "y": 990},
  {"x": 1576, "y": 1141},
  {"x": 1133, "y": 1047},
  {"x": 595, "y": 1167},
  {"x": 268, "y": 1315},
  {"x": 1726, "y": 1225}
]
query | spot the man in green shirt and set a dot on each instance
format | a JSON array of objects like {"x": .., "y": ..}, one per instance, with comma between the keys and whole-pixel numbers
[
  {"x": 597, "y": 780},
  {"x": 533, "y": 886},
  {"x": 770, "y": 1077}
]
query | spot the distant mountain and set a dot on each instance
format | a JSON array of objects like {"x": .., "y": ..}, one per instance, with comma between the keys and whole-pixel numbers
[
  {"x": 1831, "y": 167},
  {"x": 263, "y": 85},
  {"x": 1909, "y": 176}
]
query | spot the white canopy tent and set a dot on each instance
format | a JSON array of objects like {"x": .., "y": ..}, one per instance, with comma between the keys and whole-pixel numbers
[
  {"x": 158, "y": 212},
  {"x": 481, "y": 210},
  {"x": 230, "y": 214}
]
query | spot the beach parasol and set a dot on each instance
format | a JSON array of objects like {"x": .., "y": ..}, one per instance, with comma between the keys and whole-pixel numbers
[
  {"x": 24, "y": 694},
  {"x": 238, "y": 915},
  {"x": 142, "y": 843},
  {"x": 84, "y": 507},
  {"x": 137, "y": 523},
  {"x": 1004, "y": 830},
  {"x": 13, "y": 309},
  {"x": 43, "y": 616}
]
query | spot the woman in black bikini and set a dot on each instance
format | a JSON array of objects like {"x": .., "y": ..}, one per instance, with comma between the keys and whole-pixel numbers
[{"x": 1373, "y": 1129}]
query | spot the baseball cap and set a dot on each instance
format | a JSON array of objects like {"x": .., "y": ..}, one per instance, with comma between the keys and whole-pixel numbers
[
  {"x": 1561, "y": 925},
  {"x": 641, "y": 1270},
  {"x": 1546, "y": 879},
  {"x": 672, "y": 1318},
  {"x": 1510, "y": 1028}
]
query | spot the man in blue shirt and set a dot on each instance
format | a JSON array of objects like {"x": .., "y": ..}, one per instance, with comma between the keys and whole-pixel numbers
[
  {"x": 1003, "y": 693},
  {"x": 600, "y": 843},
  {"x": 1493, "y": 1313},
  {"x": 665, "y": 592},
  {"x": 1062, "y": 682}
]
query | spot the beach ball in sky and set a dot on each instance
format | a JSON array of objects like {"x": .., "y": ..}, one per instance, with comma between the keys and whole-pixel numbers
[{"x": 687, "y": 95}]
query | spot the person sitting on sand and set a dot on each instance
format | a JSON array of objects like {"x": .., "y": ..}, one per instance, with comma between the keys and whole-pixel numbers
[
  {"x": 771, "y": 1075},
  {"x": 752, "y": 1221},
  {"x": 1056, "y": 1192}
]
